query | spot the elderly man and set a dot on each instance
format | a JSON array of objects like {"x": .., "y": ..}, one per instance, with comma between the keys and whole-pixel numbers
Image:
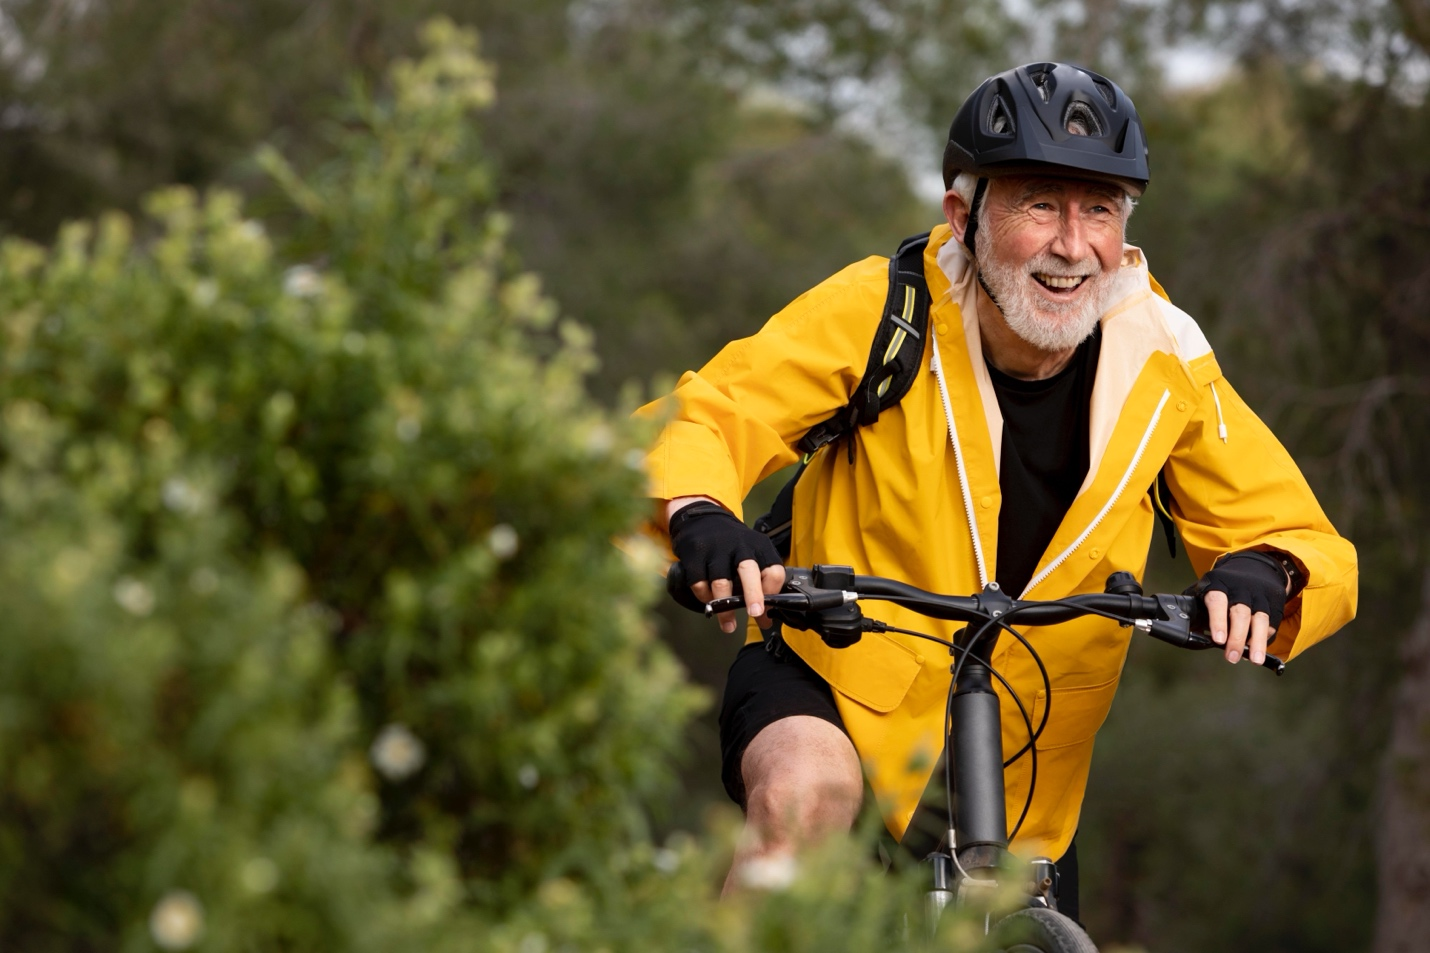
[{"x": 1057, "y": 383}]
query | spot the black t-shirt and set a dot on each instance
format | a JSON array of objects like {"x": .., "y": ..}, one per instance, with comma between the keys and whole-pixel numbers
[{"x": 1044, "y": 459}]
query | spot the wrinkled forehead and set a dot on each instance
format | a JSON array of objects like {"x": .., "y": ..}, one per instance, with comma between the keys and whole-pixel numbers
[{"x": 1024, "y": 188}]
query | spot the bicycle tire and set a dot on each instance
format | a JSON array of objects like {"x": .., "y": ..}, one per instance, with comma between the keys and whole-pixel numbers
[{"x": 1038, "y": 930}]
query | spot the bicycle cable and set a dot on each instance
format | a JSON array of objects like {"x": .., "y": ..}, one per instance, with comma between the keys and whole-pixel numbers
[{"x": 948, "y": 727}]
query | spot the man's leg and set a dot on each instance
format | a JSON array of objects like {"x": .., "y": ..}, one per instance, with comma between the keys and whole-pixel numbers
[{"x": 802, "y": 782}]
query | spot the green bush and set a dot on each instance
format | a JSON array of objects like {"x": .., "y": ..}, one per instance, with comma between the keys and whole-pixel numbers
[{"x": 263, "y": 498}]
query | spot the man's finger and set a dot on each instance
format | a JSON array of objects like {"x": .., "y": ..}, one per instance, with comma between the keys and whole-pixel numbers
[
  {"x": 1216, "y": 616},
  {"x": 702, "y": 590},
  {"x": 772, "y": 580},
  {"x": 749, "y": 571},
  {"x": 722, "y": 588},
  {"x": 1260, "y": 625},
  {"x": 1238, "y": 627}
]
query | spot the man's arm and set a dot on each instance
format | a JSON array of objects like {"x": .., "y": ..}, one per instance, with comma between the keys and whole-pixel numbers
[
  {"x": 1245, "y": 492},
  {"x": 739, "y": 418}
]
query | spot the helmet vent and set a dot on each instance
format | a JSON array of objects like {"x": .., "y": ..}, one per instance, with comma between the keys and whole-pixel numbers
[
  {"x": 1000, "y": 118},
  {"x": 1042, "y": 78},
  {"x": 1105, "y": 88},
  {"x": 1079, "y": 119}
]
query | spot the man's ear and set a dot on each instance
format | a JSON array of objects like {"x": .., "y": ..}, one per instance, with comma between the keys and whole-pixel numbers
[{"x": 955, "y": 209}]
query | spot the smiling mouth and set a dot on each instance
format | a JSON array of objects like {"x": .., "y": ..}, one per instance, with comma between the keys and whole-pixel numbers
[{"x": 1060, "y": 283}]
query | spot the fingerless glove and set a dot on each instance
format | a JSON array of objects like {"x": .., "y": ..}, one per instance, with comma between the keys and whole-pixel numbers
[
  {"x": 1253, "y": 579},
  {"x": 710, "y": 542}
]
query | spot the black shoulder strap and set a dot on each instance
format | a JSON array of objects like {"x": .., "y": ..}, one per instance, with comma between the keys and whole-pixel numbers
[
  {"x": 894, "y": 360},
  {"x": 1162, "y": 506},
  {"x": 897, "y": 352}
]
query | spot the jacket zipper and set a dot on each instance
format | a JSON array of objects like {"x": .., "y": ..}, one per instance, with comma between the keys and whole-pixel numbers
[
  {"x": 962, "y": 471},
  {"x": 1062, "y": 557}
]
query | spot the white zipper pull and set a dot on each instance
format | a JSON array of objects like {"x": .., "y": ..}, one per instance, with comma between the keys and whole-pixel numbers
[{"x": 1220, "y": 422}]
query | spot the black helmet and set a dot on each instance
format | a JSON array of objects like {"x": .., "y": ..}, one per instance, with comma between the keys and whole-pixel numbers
[{"x": 1048, "y": 117}]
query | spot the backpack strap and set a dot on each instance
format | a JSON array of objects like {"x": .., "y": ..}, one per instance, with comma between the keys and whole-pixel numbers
[
  {"x": 1161, "y": 496},
  {"x": 896, "y": 354}
]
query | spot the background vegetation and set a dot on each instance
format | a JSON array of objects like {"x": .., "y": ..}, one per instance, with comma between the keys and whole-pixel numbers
[{"x": 315, "y": 636}]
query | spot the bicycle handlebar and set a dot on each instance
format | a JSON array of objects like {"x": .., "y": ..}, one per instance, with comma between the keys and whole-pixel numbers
[{"x": 825, "y": 599}]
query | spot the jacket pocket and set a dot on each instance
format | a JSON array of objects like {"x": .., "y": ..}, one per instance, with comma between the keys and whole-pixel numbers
[
  {"x": 1077, "y": 713},
  {"x": 876, "y": 671}
]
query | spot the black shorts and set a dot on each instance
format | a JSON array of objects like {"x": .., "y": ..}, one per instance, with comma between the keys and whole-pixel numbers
[{"x": 760, "y": 690}]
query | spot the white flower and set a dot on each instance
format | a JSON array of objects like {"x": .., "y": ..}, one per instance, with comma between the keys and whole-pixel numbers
[
  {"x": 599, "y": 439},
  {"x": 666, "y": 860},
  {"x": 527, "y": 776},
  {"x": 397, "y": 753},
  {"x": 775, "y": 872},
  {"x": 259, "y": 875},
  {"x": 205, "y": 292},
  {"x": 177, "y": 920},
  {"x": 180, "y": 496},
  {"x": 134, "y": 596},
  {"x": 503, "y": 541},
  {"x": 302, "y": 281}
]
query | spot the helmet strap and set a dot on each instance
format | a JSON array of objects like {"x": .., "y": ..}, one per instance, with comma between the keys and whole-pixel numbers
[
  {"x": 971, "y": 230},
  {"x": 969, "y": 238},
  {"x": 989, "y": 292}
]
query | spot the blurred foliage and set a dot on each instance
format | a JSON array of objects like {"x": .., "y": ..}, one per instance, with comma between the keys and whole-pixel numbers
[
  {"x": 657, "y": 201},
  {"x": 258, "y": 507}
]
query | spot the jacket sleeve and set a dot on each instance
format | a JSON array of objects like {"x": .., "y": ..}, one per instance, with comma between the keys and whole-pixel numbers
[
  {"x": 737, "y": 420},
  {"x": 1235, "y": 487}
]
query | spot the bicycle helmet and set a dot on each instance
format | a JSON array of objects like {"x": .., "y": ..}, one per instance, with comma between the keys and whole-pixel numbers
[{"x": 1048, "y": 117}]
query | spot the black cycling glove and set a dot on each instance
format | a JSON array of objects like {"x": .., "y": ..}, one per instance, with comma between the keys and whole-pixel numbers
[
  {"x": 710, "y": 542},
  {"x": 1253, "y": 579}
]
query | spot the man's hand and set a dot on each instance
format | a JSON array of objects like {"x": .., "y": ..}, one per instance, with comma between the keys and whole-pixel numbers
[
  {"x": 1245, "y": 595},
  {"x": 715, "y": 549}
]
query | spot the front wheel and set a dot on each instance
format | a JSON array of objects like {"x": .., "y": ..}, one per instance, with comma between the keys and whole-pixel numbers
[{"x": 1038, "y": 930}]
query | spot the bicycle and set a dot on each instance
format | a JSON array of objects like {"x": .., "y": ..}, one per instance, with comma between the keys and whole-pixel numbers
[{"x": 966, "y": 847}]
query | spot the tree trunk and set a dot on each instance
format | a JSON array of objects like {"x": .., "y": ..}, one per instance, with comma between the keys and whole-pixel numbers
[
  {"x": 1415, "y": 17},
  {"x": 1403, "y": 852}
]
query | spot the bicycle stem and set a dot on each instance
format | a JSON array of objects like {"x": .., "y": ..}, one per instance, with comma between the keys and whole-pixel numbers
[{"x": 981, "y": 817}]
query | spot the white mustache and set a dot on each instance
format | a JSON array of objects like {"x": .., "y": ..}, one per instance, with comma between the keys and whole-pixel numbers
[{"x": 1060, "y": 268}]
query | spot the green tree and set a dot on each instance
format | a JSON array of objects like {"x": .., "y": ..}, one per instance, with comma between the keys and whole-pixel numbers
[{"x": 651, "y": 198}]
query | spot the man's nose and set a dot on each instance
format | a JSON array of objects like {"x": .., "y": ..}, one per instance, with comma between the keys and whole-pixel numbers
[{"x": 1071, "y": 239}]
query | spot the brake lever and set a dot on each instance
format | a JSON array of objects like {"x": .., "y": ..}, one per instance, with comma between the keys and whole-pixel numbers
[
  {"x": 1180, "y": 615},
  {"x": 1198, "y": 642},
  {"x": 792, "y": 601}
]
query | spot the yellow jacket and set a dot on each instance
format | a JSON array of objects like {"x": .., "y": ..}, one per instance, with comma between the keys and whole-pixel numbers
[{"x": 921, "y": 504}]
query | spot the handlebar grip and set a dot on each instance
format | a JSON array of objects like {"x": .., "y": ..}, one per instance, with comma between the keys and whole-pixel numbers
[{"x": 679, "y": 590}]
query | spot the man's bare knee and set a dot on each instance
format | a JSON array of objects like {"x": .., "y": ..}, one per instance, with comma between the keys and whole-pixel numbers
[{"x": 802, "y": 780}]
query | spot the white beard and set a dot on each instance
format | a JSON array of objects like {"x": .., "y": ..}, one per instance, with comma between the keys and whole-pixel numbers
[{"x": 1047, "y": 325}]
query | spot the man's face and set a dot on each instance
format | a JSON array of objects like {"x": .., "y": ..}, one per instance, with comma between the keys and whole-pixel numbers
[{"x": 1049, "y": 249}]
